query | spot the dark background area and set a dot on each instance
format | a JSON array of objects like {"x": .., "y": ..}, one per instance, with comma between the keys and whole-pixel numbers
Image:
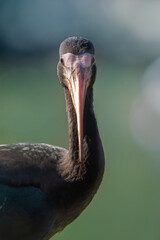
[{"x": 127, "y": 101}]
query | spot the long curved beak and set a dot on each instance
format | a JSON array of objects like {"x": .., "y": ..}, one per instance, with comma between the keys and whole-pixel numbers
[{"x": 78, "y": 87}]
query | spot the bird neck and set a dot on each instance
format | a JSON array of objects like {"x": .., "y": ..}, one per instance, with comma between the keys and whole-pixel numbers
[{"x": 91, "y": 139}]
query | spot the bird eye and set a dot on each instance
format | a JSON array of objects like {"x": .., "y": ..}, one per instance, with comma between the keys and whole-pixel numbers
[
  {"x": 61, "y": 60},
  {"x": 93, "y": 61}
]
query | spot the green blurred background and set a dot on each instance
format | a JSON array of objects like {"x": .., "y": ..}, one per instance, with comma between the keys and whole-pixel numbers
[{"x": 126, "y": 98}]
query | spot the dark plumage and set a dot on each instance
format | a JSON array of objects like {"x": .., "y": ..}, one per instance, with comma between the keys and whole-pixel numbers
[
  {"x": 76, "y": 45},
  {"x": 43, "y": 188}
]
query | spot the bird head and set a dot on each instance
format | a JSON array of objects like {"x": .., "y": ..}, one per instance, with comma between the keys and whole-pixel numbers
[{"x": 76, "y": 71}]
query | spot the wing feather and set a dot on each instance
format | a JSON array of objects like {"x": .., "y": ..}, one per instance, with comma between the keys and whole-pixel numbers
[{"x": 30, "y": 164}]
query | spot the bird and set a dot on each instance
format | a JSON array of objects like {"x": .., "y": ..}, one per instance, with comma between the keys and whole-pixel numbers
[{"x": 43, "y": 188}]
